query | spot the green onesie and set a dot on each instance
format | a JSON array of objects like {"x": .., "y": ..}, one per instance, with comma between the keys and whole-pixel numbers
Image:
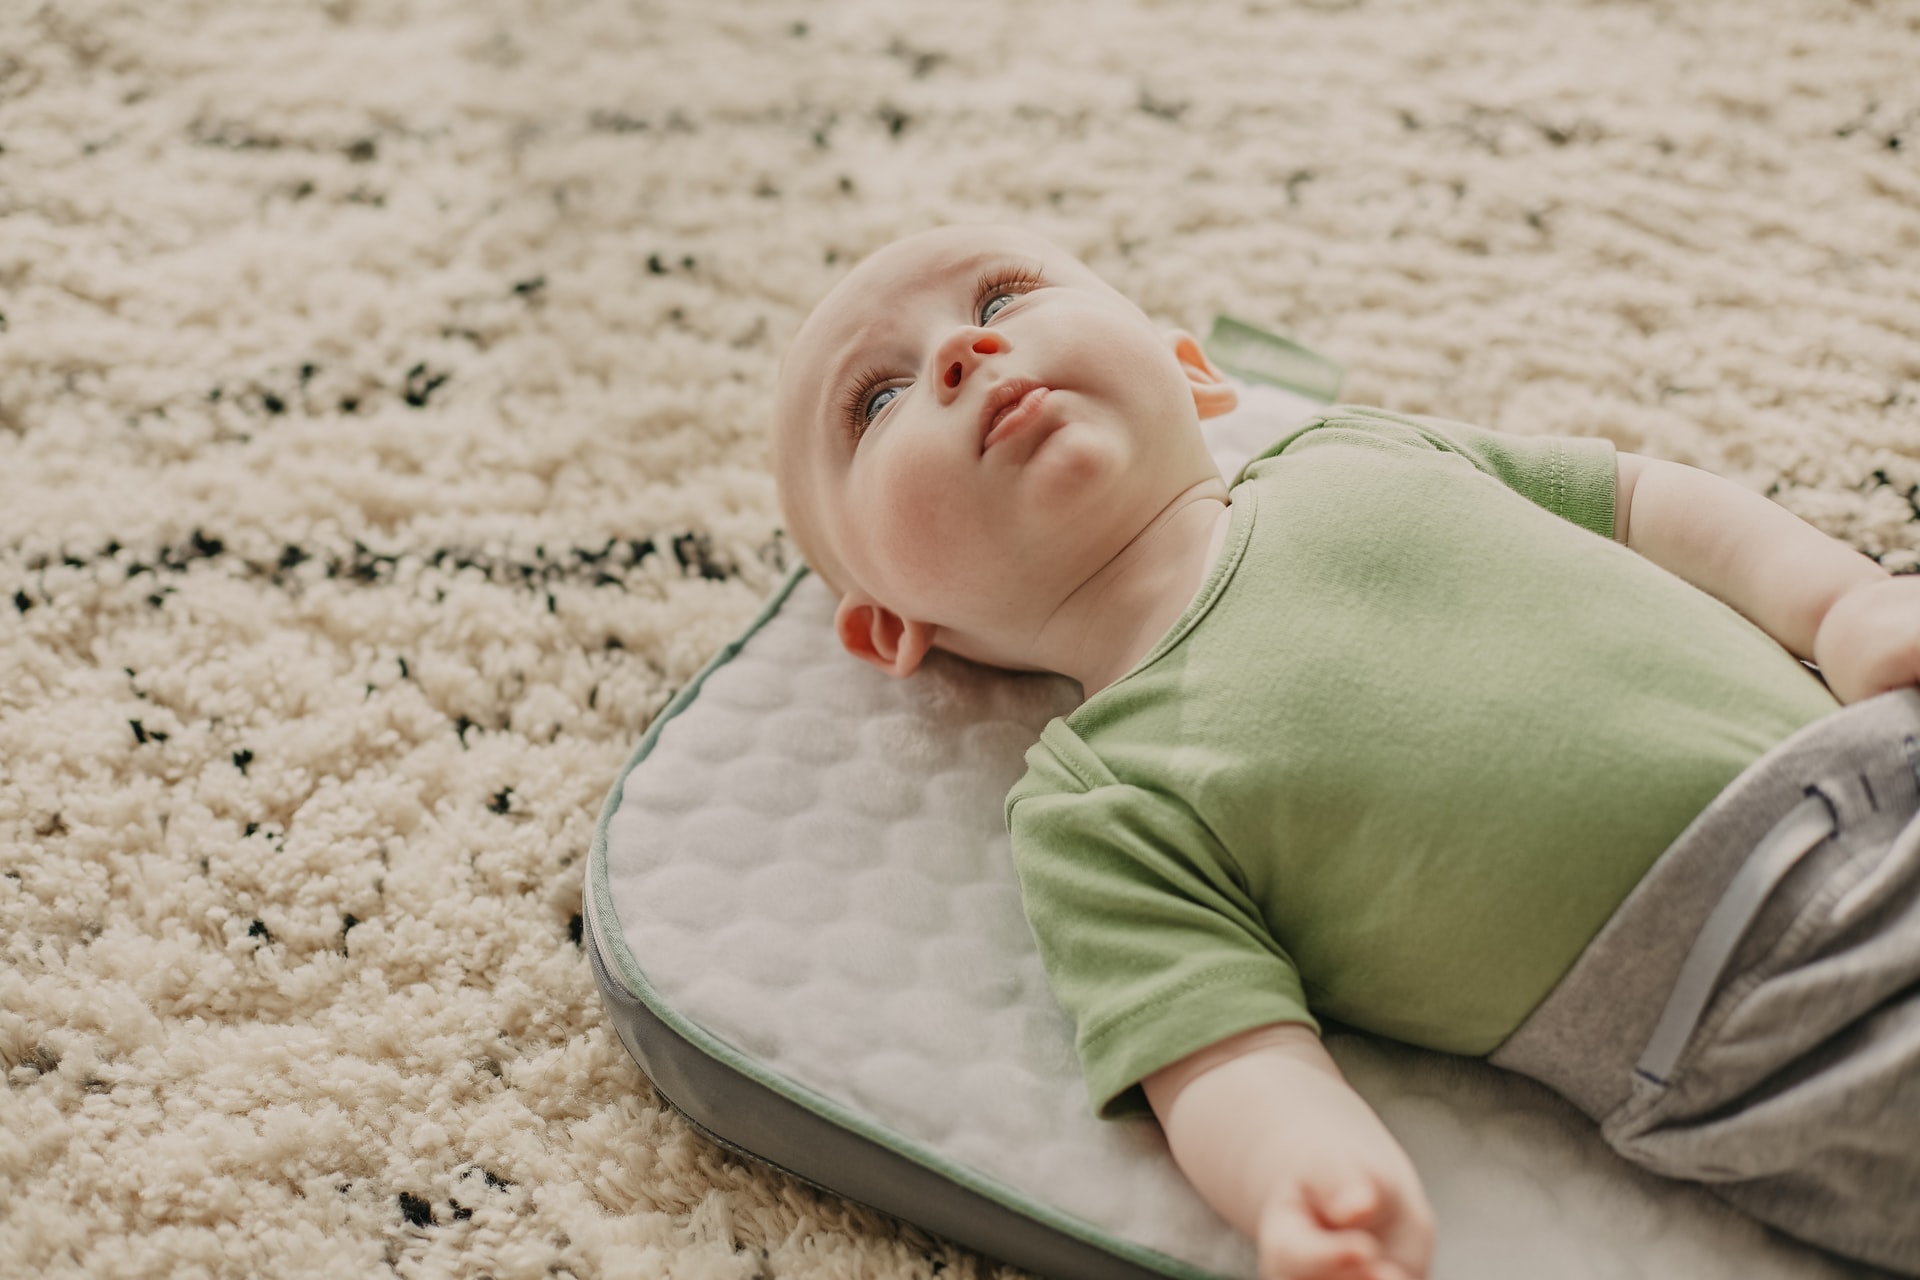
[{"x": 1418, "y": 735}]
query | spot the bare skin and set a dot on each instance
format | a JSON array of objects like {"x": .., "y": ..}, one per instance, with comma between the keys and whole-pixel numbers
[
  {"x": 1072, "y": 537},
  {"x": 1068, "y": 540}
]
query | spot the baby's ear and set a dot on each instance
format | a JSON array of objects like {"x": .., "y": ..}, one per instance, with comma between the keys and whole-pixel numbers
[
  {"x": 874, "y": 633},
  {"x": 1213, "y": 395}
]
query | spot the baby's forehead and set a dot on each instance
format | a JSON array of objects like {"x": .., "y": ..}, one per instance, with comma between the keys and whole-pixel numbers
[{"x": 944, "y": 246}]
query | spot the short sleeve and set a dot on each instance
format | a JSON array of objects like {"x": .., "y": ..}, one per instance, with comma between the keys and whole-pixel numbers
[
  {"x": 1574, "y": 477},
  {"x": 1148, "y": 941}
]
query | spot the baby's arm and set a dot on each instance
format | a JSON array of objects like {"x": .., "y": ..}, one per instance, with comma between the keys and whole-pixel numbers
[
  {"x": 1273, "y": 1137},
  {"x": 1819, "y": 598}
]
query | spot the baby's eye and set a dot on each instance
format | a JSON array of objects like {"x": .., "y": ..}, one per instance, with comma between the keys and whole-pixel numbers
[
  {"x": 992, "y": 306},
  {"x": 878, "y": 401}
]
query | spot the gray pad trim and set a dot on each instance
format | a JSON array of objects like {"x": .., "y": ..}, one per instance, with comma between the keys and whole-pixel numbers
[{"x": 754, "y": 1121}]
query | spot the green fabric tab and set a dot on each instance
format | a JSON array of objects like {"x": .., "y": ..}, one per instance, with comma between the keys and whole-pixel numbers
[{"x": 1259, "y": 356}]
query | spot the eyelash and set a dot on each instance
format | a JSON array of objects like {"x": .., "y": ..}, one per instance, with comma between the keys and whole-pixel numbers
[{"x": 991, "y": 284}]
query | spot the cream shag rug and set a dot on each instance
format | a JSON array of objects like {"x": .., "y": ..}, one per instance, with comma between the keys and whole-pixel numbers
[{"x": 383, "y": 388}]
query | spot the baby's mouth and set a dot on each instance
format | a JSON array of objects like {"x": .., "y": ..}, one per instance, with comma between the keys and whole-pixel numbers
[{"x": 1009, "y": 407}]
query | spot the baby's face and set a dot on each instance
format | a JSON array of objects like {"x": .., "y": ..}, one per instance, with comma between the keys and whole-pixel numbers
[{"x": 972, "y": 423}]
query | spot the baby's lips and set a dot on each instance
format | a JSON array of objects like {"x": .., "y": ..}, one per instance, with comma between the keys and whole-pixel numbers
[
  {"x": 1014, "y": 414},
  {"x": 1000, "y": 397}
]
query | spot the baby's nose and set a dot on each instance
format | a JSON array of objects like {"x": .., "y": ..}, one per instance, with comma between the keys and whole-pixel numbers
[{"x": 985, "y": 343}]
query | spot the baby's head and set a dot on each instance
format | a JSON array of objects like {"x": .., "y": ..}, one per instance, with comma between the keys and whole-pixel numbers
[{"x": 967, "y": 428}]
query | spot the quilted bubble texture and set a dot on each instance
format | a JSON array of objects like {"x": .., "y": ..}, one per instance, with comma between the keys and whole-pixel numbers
[{"x": 812, "y": 866}]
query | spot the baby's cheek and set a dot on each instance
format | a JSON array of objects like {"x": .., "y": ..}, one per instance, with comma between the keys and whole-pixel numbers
[{"x": 930, "y": 528}]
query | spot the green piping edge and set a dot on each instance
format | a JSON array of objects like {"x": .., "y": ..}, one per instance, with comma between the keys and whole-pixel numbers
[{"x": 626, "y": 969}]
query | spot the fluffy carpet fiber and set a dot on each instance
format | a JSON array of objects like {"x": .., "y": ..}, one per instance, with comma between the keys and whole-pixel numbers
[{"x": 383, "y": 393}]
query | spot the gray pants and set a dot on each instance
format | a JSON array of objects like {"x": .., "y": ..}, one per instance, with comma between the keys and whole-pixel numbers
[{"x": 1750, "y": 1017}]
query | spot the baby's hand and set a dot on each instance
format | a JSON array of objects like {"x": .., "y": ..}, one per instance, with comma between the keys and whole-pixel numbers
[
  {"x": 1277, "y": 1141},
  {"x": 1359, "y": 1223},
  {"x": 1869, "y": 641}
]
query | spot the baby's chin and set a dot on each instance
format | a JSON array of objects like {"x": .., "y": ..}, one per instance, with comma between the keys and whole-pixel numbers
[{"x": 1074, "y": 463}]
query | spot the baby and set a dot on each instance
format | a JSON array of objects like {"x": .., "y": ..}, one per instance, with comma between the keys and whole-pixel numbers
[{"x": 1500, "y": 745}]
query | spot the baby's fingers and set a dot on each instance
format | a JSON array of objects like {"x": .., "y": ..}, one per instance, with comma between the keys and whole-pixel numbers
[
  {"x": 1396, "y": 1218},
  {"x": 1355, "y": 1204},
  {"x": 1296, "y": 1245}
]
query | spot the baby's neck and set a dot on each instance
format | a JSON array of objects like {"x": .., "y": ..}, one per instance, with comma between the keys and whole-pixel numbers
[{"x": 1107, "y": 626}]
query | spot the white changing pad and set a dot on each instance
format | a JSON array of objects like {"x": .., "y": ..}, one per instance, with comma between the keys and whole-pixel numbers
[{"x": 806, "y": 928}]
